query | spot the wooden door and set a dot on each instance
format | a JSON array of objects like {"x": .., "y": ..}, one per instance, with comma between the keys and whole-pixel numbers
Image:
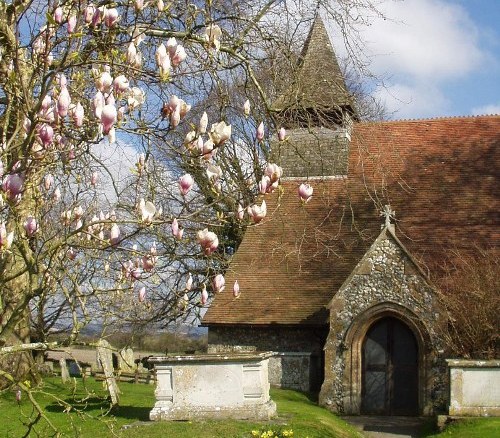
[{"x": 390, "y": 369}]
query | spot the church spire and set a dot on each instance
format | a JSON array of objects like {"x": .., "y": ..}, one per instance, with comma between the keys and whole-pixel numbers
[{"x": 318, "y": 94}]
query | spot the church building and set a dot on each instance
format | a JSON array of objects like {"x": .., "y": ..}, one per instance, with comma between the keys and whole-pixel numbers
[{"x": 342, "y": 287}]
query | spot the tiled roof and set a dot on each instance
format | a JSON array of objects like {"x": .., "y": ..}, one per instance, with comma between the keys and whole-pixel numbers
[
  {"x": 440, "y": 176},
  {"x": 319, "y": 83}
]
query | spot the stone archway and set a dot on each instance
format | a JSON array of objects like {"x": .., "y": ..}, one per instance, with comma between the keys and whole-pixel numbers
[{"x": 354, "y": 342}]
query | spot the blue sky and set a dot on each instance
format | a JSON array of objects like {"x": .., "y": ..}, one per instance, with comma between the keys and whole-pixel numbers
[{"x": 439, "y": 57}]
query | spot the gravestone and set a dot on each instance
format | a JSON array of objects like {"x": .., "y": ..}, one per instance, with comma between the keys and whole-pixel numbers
[
  {"x": 74, "y": 369},
  {"x": 64, "y": 370},
  {"x": 105, "y": 359},
  {"x": 126, "y": 362}
]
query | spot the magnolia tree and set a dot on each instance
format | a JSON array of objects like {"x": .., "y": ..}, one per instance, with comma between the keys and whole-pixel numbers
[{"x": 176, "y": 82}]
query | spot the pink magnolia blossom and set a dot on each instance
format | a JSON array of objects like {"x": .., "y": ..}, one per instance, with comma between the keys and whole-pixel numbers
[
  {"x": 171, "y": 46},
  {"x": 273, "y": 171},
  {"x": 108, "y": 117},
  {"x": 220, "y": 132},
  {"x": 72, "y": 24},
  {"x": 147, "y": 211},
  {"x": 120, "y": 84},
  {"x": 136, "y": 273},
  {"x": 58, "y": 15},
  {"x": 204, "y": 295},
  {"x": 185, "y": 184},
  {"x": 189, "y": 282},
  {"x": 112, "y": 135},
  {"x": 212, "y": 36},
  {"x": 141, "y": 161},
  {"x": 213, "y": 172},
  {"x": 139, "y": 5},
  {"x": 104, "y": 81},
  {"x": 66, "y": 217},
  {"x": 57, "y": 194},
  {"x": 208, "y": 241},
  {"x": 114, "y": 237},
  {"x": 240, "y": 213},
  {"x": 246, "y": 108},
  {"x": 78, "y": 212},
  {"x": 6, "y": 239},
  {"x": 131, "y": 53},
  {"x": 88, "y": 13},
  {"x": 71, "y": 254},
  {"x": 219, "y": 283},
  {"x": 46, "y": 134},
  {"x": 27, "y": 122},
  {"x": 160, "y": 54},
  {"x": 305, "y": 192},
  {"x": 282, "y": 134},
  {"x": 98, "y": 104},
  {"x": 63, "y": 102},
  {"x": 177, "y": 231},
  {"x": 257, "y": 213},
  {"x": 175, "y": 117},
  {"x": 179, "y": 55},
  {"x": 260, "y": 132},
  {"x": 30, "y": 226},
  {"x": 136, "y": 97},
  {"x": 13, "y": 185},
  {"x": 110, "y": 17},
  {"x": 160, "y": 5},
  {"x": 48, "y": 180},
  {"x": 77, "y": 113},
  {"x": 46, "y": 103},
  {"x": 264, "y": 184},
  {"x": 208, "y": 151},
  {"x": 202, "y": 126},
  {"x": 236, "y": 289},
  {"x": 94, "y": 178},
  {"x": 147, "y": 263},
  {"x": 142, "y": 294}
]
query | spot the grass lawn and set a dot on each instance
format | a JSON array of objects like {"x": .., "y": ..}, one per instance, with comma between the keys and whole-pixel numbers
[
  {"x": 78, "y": 411},
  {"x": 477, "y": 428},
  {"x": 75, "y": 410}
]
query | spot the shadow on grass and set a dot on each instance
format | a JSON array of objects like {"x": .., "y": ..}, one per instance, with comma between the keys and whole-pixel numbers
[
  {"x": 131, "y": 412},
  {"x": 99, "y": 406}
]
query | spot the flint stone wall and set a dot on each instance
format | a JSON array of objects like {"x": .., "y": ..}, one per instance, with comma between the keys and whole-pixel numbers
[
  {"x": 297, "y": 361},
  {"x": 386, "y": 282},
  {"x": 474, "y": 387},
  {"x": 212, "y": 387}
]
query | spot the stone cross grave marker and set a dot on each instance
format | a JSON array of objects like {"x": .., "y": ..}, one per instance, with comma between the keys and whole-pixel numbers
[
  {"x": 105, "y": 358},
  {"x": 64, "y": 370}
]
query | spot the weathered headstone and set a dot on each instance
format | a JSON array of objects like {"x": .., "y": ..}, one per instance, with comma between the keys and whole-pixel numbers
[
  {"x": 126, "y": 362},
  {"x": 64, "y": 370},
  {"x": 74, "y": 369},
  {"x": 105, "y": 359}
]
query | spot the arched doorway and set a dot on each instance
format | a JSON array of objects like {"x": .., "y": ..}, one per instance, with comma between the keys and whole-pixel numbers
[{"x": 389, "y": 369}]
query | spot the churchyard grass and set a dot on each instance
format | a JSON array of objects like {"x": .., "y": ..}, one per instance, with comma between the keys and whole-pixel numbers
[
  {"x": 477, "y": 428},
  {"x": 81, "y": 411}
]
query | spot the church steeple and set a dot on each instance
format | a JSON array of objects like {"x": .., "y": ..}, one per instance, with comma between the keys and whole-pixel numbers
[{"x": 317, "y": 95}]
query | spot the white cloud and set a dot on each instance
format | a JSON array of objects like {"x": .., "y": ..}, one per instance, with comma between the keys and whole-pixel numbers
[
  {"x": 118, "y": 160},
  {"x": 407, "y": 101},
  {"x": 486, "y": 109},
  {"x": 426, "y": 39}
]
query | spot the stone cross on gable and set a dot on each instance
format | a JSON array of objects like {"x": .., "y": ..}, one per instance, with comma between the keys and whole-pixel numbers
[{"x": 389, "y": 214}]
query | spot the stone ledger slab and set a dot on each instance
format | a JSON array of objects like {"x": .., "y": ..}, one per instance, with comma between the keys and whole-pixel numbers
[{"x": 212, "y": 386}]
